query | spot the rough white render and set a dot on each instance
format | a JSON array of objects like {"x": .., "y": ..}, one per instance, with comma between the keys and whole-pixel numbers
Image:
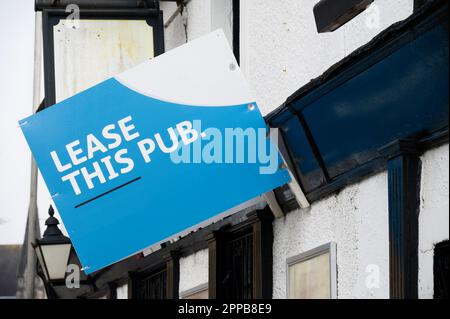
[
  {"x": 434, "y": 211},
  {"x": 357, "y": 220},
  {"x": 193, "y": 270},
  {"x": 281, "y": 50},
  {"x": 174, "y": 34},
  {"x": 199, "y": 17}
]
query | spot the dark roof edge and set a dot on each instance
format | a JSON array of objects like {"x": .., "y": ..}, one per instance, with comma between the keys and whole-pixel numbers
[{"x": 385, "y": 36}]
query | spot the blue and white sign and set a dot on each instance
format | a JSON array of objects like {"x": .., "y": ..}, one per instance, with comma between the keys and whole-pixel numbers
[{"x": 157, "y": 149}]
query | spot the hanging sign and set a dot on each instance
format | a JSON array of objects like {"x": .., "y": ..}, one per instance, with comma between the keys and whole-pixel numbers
[{"x": 153, "y": 151}]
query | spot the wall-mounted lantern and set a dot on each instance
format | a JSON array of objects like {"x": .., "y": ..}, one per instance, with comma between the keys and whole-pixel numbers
[
  {"x": 53, "y": 250},
  {"x": 58, "y": 263}
]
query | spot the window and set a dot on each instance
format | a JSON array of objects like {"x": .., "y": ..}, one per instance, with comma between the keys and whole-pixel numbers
[
  {"x": 240, "y": 259},
  {"x": 312, "y": 275},
  {"x": 238, "y": 273},
  {"x": 441, "y": 269},
  {"x": 151, "y": 285},
  {"x": 161, "y": 281}
]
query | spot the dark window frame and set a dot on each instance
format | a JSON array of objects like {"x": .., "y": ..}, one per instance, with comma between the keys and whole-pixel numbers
[
  {"x": 237, "y": 30},
  {"x": 158, "y": 275},
  {"x": 170, "y": 265},
  {"x": 239, "y": 252}
]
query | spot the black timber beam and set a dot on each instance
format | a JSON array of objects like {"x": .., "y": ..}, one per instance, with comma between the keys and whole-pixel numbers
[{"x": 404, "y": 169}]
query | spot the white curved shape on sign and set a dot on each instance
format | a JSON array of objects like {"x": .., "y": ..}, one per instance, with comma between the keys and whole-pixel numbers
[{"x": 184, "y": 76}]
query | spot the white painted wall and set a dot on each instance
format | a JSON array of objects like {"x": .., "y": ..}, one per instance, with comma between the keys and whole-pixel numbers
[
  {"x": 122, "y": 292},
  {"x": 193, "y": 270},
  {"x": 174, "y": 33},
  {"x": 357, "y": 220},
  {"x": 281, "y": 50},
  {"x": 199, "y": 17},
  {"x": 434, "y": 211}
]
